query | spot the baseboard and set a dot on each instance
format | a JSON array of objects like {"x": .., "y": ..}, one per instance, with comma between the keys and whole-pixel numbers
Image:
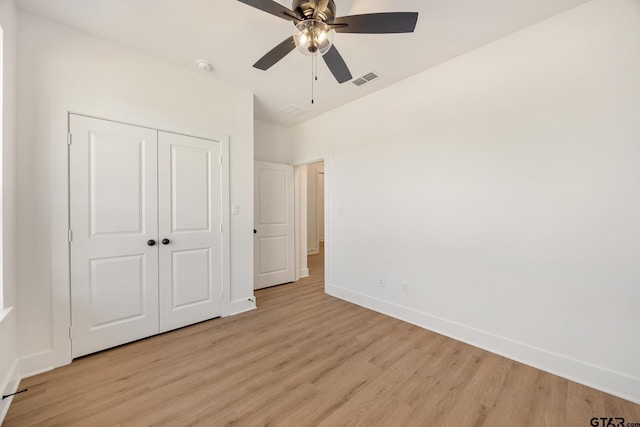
[
  {"x": 303, "y": 272},
  {"x": 608, "y": 381},
  {"x": 37, "y": 363},
  {"x": 9, "y": 385}
]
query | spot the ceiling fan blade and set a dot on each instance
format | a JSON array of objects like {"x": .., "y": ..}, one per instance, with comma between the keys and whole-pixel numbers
[
  {"x": 377, "y": 23},
  {"x": 275, "y": 54},
  {"x": 273, "y": 8},
  {"x": 336, "y": 64}
]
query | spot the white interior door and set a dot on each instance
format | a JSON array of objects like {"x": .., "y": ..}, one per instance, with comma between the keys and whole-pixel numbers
[
  {"x": 190, "y": 200},
  {"x": 274, "y": 224},
  {"x": 113, "y": 218}
]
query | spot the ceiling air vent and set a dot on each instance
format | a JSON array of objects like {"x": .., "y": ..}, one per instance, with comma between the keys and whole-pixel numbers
[
  {"x": 361, "y": 81},
  {"x": 293, "y": 110}
]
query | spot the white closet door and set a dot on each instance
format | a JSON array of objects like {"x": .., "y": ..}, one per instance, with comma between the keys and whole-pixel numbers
[
  {"x": 274, "y": 224},
  {"x": 113, "y": 218},
  {"x": 190, "y": 200}
]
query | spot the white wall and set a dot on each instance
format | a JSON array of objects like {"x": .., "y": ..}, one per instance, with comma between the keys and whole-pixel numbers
[
  {"x": 9, "y": 23},
  {"x": 503, "y": 187},
  {"x": 58, "y": 64},
  {"x": 272, "y": 143},
  {"x": 8, "y": 353}
]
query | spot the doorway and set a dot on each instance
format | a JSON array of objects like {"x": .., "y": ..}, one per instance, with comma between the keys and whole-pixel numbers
[
  {"x": 315, "y": 208},
  {"x": 310, "y": 217}
]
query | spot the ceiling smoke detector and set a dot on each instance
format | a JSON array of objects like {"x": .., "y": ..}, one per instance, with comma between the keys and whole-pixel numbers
[{"x": 204, "y": 65}]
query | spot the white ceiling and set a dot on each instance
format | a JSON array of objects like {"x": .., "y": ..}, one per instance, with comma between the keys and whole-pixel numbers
[{"x": 232, "y": 36}]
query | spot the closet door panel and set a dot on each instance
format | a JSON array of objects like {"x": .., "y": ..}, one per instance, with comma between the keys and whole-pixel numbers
[
  {"x": 113, "y": 215},
  {"x": 189, "y": 180}
]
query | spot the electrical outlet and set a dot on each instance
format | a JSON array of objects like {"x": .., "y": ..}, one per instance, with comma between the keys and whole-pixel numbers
[
  {"x": 381, "y": 282},
  {"x": 405, "y": 287}
]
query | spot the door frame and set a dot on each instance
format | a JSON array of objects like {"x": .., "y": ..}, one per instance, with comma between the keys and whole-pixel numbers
[
  {"x": 300, "y": 183},
  {"x": 60, "y": 352}
]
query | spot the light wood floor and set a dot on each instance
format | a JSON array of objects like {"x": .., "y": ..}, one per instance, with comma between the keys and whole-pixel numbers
[{"x": 304, "y": 358}]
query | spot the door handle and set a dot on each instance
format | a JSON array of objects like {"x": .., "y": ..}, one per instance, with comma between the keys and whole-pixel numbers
[
  {"x": 166, "y": 241},
  {"x": 255, "y": 231},
  {"x": 151, "y": 242}
]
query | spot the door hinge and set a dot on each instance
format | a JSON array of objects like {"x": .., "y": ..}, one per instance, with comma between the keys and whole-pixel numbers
[
  {"x": 220, "y": 159},
  {"x": 70, "y": 236},
  {"x": 221, "y": 228},
  {"x": 69, "y": 138},
  {"x": 70, "y": 333}
]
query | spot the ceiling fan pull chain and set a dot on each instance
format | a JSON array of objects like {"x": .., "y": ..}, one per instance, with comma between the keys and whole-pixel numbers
[{"x": 313, "y": 75}]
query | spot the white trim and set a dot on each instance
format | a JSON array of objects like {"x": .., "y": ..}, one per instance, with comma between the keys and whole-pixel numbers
[
  {"x": 4, "y": 313},
  {"x": 9, "y": 385},
  {"x": 2, "y": 244},
  {"x": 615, "y": 383},
  {"x": 318, "y": 197},
  {"x": 300, "y": 216},
  {"x": 37, "y": 363},
  {"x": 328, "y": 249},
  {"x": 60, "y": 354},
  {"x": 10, "y": 380},
  {"x": 226, "y": 228}
]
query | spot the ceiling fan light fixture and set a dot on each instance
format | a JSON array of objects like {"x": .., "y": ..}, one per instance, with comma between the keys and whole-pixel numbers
[{"x": 313, "y": 37}]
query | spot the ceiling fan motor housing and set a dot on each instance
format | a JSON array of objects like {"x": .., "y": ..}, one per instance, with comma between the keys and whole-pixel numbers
[{"x": 304, "y": 10}]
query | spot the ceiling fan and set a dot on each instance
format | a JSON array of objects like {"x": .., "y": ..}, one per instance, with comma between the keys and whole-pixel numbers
[{"x": 315, "y": 24}]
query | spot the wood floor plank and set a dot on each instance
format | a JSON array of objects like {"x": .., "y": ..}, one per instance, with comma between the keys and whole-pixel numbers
[
  {"x": 369, "y": 400},
  {"x": 549, "y": 403},
  {"x": 354, "y": 376},
  {"x": 304, "y": 358}
]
